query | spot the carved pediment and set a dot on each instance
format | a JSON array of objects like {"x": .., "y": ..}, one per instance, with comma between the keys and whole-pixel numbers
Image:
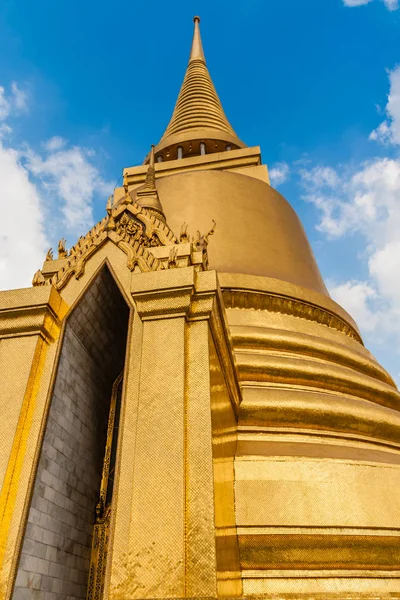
[
  {"x": 132, "y": 228},
  {"x": 139, "y": 233}
]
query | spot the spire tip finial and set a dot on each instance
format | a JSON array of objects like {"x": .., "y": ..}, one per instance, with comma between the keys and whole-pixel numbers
[{"x": 197, "y": 48}]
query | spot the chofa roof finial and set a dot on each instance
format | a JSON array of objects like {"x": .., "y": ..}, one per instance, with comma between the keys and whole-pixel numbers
[{"x": 147, "y": 195}]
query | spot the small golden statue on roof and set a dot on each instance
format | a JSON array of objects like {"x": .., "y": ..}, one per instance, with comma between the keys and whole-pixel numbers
[
  {"x": 62, "y": 252},
  {"x": 49, "y": 255}
]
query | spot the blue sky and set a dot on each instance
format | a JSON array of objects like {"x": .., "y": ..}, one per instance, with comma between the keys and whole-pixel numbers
[{"x": 86, "y": 87}]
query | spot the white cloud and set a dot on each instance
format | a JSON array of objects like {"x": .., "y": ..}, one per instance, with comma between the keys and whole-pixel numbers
[
  {"x": 364, "y": 200},
  {"x": 19, "y": 98},
  {"x": 390, "y": 4},
  {"x": 13, "y": 103},
  {"x": 42, "y": 195},
  {"x": 54, "y": 143},
  {"x": 384, "y": 267},
  {"x": 320, "y": 177},
  {"x": 4, "y": 105},
  {"x": 22, "y": 238},
  {"x": 388, "y": 132},
  {"x": 356, "y": 2},
  {"x": 5, "y": 130},
  {"x": 279, "y": 173},
  {"x": 69, "y": 174},
  {"x": 356, "y": 297}
]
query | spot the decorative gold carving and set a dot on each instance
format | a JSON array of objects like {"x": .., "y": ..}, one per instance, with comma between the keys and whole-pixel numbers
[
  {"x": 98, "y": 559},
  {"x": 107, "y": 456},
  {"x": 172, "y": 259},
  {"x": 184, "y": 237},
  {"x": 201, "y": 241},
  {"x": 127, "y": 199},
  {"x": 38, "y": 278},
  {"x": 111, "y": 223},
  {"x": 49, "y": 255},
  {"x": 288, "y": 306},
  {"x": 200, "y": 244},
  {"x": 150, "y": 181},
  {"x": 147, "y": 195},
  {"x": 132, "y": 228},
  {"x": 62, "y": 252}
]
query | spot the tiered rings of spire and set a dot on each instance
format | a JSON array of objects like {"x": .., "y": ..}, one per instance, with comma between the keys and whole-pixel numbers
[{"x": 198, "y": 124}]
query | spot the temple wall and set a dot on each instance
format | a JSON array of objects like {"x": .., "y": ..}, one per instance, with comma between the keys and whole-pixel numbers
[{"x": 56, "y": 549}]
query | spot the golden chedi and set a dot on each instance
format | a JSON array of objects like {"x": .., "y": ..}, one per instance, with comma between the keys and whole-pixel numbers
[{"x": 185, "y": 412}]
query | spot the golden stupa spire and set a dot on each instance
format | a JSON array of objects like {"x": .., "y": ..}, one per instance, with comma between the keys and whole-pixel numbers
[
  {"x": 198, "y": 124},
  {"x": 147, "y": 195}
]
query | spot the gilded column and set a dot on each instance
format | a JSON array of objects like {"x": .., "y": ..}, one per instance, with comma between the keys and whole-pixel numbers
[
  {"x": 164, "y": 541},
  {"x": 30, "y": 321}
]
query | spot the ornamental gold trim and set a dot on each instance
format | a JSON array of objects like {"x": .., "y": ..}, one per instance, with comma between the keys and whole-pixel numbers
[
  {"x": 101, "y": 529},
  {"x": 244, "y": 299},
  {"x": 132, "y": 228}
]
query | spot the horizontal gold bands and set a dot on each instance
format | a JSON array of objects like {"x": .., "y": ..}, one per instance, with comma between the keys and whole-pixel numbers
[
  {"x": 245, "y": 299},
  {"x": 279, "y": 287},
  {"x": 268, "y": 339},
  {"x": 317, "y": 531},
  {"x": 252, "y": 590},
  {"x": 343, "y": 584},
  {"x": 314, "y": 447},
  {"x": 290, "y": 370},
  {"x": 320, "y": 551},
  {"x": 313, "y": 410},
  {"x": 318, "y": 573}
]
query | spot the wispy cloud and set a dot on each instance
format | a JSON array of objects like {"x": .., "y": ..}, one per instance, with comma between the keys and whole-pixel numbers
[
  {"x": 358, "y": 298},
  {"x": 365, "y": 200},
  {"x": 356, "y": 2},
  {"x": 69, "y": 176},
  {"x": 54, "y": 143},
  {"x": 388, "y": 132},
  {"x": 19, "y": 98},
  {"x": 43, "y": 195},
  {"x": 390, "y": 4},
  {"x": 12, "y": 103},
  {"x": 279, "y": 173}
]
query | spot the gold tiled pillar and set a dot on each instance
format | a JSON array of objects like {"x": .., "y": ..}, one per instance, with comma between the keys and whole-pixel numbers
[
  {"x": 30, "y": 322},
  {"x": 163, "y": 542},
  {"x": 200, "y": 528}
]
